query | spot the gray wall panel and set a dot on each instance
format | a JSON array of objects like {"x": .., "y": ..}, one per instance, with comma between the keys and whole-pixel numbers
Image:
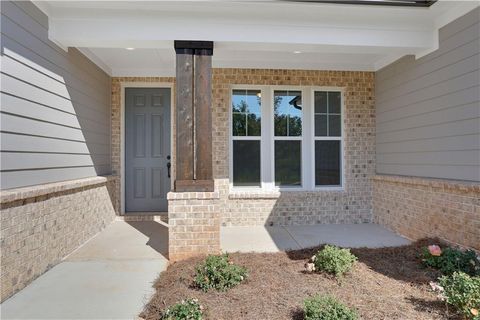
[
  {"x": 55, "y": 105},
  {"x": 459, "y": 25},
  {"x": 459, "y": 98},
  {"x": 463, "y": 142},
  {"x": 448, "y": 172},
  {"x": 28, "y": 143},
  {"x": 33, "y": 12},
  {"x": 428, "y": 110}
]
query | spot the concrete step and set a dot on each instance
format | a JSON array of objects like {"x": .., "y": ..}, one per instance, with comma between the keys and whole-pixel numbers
[{"x": 145, "y": 216}]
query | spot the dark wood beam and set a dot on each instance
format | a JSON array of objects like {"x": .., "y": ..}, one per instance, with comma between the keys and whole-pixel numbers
[
  {"x": 194, "y": 170},
  {"x": 184, "y": 110},
  {"x": 193, "y": 45},
  {"x": 203, "y": 117}
]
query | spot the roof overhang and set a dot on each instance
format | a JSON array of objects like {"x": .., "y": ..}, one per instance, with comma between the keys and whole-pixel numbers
[{"x": 251, "y": 34}]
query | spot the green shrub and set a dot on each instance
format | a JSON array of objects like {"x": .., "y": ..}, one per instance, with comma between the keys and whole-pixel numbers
[
  {"x": 188, "y": 309},
  {"x": 451, "y": 260},
  {"x": 334, "y": 260},
  {"x": 327, "y": 308},
  {"x": 463, "y": 292},
  {"x": 217, "y": 272}
]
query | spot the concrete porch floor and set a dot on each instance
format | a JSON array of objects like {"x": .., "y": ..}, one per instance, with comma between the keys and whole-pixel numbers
[
  {"x": 273, "y": 239},
  {"x": 111, "y": 276}
]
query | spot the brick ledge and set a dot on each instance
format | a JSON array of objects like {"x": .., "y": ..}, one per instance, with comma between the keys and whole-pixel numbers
[
  {"x": 193, "y": 195},
  {"x": 246, "y": 195},
  {"x": 254, "y": 195},
  {"x": 22, "y": 193},
  {"x": 466, "y": 186}
]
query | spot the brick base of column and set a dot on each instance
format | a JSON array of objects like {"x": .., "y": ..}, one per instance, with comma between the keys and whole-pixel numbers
[{"x": 194, "y": 224}]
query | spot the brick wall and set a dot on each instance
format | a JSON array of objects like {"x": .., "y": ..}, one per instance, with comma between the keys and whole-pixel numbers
[
  {"x": 420, "y": 207},
  {"x": 194, "y": 224},
  {"x": 353, "y": 205},
  {"x": 40, "y": 225}
]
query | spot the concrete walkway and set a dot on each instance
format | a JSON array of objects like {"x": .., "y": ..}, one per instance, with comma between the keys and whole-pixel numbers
[
  {"x": 110, "y": 277},
  {"x": 273, "y": 239}
]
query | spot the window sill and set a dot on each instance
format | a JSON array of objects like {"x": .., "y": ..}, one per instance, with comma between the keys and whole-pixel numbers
[
  {"x": 253, "y": 194},
  {"x": 275, "y": 194}
]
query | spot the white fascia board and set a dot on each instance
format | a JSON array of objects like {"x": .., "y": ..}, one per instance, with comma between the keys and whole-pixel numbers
[
  {"x": 149, "y": 32},
  {"x": 95, "y": 59},
  {"x": 383, "y": 62},
  {"x": 139, "y": 72},
  {"x": 43, "y": 6},
  {"x": 461, "y": 8},
  {"x": 295, "y": 64}
]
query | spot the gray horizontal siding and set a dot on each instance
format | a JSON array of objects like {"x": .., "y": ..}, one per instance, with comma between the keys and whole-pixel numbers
[
  {"x": 55, "y": 105},
  {"x": 428, "y": 110}
]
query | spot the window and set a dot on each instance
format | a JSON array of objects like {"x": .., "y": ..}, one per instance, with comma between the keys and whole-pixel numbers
[
  {"x": 328, "y": 132},
  {"x": 246, "y": 132},
  {"x": 287, "y": 116},
  {"x": 286, "y": 137}
]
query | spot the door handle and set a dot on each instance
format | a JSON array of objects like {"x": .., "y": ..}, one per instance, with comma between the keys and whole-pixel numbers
[{"x": 169, "y": 165}]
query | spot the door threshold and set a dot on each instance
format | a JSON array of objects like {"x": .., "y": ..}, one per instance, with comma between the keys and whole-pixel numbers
[
  {"x": 145, "y": 213},
  {"x": 144, "y": 216}
]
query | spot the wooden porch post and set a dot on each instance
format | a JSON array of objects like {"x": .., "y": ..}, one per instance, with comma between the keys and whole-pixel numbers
[{"x": 194, "y": 116}]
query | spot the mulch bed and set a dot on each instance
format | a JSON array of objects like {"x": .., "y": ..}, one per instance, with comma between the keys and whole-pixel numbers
[{"x": 386, "y": 283}]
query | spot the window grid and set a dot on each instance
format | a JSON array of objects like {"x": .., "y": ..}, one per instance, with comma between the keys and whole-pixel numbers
[
  {"x": 245, "y": 137},
  {"x": 307, "y": 138},
  {"x": 327, "y": 137},
  {"x": 287, "y": 137}
]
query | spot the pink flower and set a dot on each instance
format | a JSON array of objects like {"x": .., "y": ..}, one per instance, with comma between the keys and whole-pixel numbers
[
  {"x": 435, "y": 250},
  {"x": 310, "y": 267},
  {"x": 436, "y": 287}
]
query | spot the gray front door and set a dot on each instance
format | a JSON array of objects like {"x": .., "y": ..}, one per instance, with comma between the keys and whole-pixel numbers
[{"x": 147, "y": 149}]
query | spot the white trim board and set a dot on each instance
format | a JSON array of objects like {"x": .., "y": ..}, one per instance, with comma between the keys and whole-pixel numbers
[
  {"x": 96, "y": 60},
  {"x": 279, "y": 27}
]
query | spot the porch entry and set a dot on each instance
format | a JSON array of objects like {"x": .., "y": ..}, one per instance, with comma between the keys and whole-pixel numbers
[{"x": 147, "y": 149}]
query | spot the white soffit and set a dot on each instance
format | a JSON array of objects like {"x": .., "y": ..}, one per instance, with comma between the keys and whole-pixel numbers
[{"x": 247, "y": 34}]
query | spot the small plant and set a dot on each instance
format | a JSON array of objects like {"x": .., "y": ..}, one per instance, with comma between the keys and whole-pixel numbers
[
  {"x": 327, "y": 308},
  {"x": 217, "y": 272},
  {"x": 450, "y": 260},
  {"x": 333, "y": 260},
  {"x": 463, "y": 292},
  {"x": 188, "y": 309}
]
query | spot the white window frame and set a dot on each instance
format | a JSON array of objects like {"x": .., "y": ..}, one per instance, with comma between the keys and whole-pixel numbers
[
  {"x": 326, "y": 138},
  {"x": 245, "y": 138},
  {"x": 274, "y": 138},
  {"x": 267, "y": 138}
]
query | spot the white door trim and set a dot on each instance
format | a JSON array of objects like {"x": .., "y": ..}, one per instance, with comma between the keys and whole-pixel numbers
[{"x": 123, "y": 86}]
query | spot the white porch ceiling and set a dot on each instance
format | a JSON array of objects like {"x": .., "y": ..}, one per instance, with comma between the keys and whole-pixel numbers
[{"x": 247, "y": 34}]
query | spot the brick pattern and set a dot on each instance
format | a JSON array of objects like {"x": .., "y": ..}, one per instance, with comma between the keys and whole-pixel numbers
[
  {"x": 37, "y": 232},
  {"x": 419, "y": 207},
  {"x": 353, "y": 205},
  {"x": 194, "y": 224},
  {"x": 195, "y": 218}
]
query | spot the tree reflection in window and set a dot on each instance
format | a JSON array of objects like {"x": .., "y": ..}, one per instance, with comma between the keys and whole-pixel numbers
[
  {"x": 288, "y": 113},
  {"x": 246, "y": 113}
]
